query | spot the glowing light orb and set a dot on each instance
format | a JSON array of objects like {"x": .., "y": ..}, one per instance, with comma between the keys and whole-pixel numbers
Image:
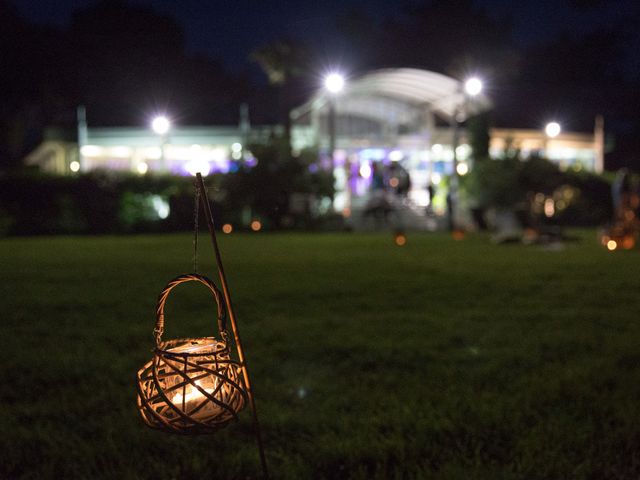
[
  {"x": 142, "y": 168},
  {"x": 395, "y": 155},
  {"x": 612, "y": 245},
  {"x": 227, "y": 228},
  {"x": 365, "y": 170},
  {"x": 549, "y": 207},
  {"x": 256, "y": 226},
  {"x": 462, "y": 169},
  {"x": 552, "y": 129},
  {"x": 161, "y": 125},
  {"x": 161, "y": 206},
  {"x": 334, "y": 82},
  {"x": 473, "y": 86},
  {"x": 74, "y": 166},
  {"x": 198, "y": 165}
]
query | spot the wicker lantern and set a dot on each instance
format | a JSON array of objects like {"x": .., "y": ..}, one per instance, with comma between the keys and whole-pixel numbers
[{"x": 191, "y": 385}]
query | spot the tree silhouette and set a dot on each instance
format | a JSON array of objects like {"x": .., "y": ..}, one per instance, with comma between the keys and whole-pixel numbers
[{"x": 282, "y": 61}]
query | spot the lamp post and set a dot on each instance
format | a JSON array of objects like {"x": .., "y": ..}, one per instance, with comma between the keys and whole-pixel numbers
[
  {"x": 334, "y": 84},
  {"x": 551, "y": 130},
  {"x": 469, "y": 89},
  {"x": 161, "y": 125}
]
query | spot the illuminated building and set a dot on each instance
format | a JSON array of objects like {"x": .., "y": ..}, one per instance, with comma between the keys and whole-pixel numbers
[{"x": 403, "y": 116}]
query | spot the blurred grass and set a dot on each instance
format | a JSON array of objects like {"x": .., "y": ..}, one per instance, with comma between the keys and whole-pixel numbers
[{"x": 439, "y": 359}]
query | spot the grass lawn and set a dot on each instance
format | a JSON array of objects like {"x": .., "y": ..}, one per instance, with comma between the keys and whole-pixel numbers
[{"x": 440, "y": 359}]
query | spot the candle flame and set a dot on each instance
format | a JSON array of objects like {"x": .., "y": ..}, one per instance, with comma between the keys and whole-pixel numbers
[{"x": 191, "y": 394}]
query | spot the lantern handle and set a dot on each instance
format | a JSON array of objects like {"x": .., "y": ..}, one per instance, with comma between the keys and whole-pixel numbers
[{"x": 188, "y": 277}]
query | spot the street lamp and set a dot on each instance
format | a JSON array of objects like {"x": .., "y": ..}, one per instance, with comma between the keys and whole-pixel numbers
[
  {"x": 471, "y": 87},
  {"x": 552, "y": 129},
  {"x": 161, "y": 125},
  {"x": 334, "y": 84}
]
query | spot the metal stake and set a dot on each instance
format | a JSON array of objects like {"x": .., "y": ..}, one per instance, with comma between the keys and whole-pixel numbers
[{"x": 232, "y": 319}]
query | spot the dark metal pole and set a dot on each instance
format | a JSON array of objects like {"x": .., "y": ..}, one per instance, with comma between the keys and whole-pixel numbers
[
  {"x": 332, "y": 127},
  {"x": 453, "y": 183},
  {"x": 460, "y": 110},
  {"x": 232, "y": 319}
]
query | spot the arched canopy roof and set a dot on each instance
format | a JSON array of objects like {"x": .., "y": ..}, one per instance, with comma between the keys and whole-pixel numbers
[{"x": 409, "y": 89}]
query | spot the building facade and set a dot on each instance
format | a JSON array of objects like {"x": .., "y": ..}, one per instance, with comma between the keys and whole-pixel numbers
[{"x": 407, "y": 117}]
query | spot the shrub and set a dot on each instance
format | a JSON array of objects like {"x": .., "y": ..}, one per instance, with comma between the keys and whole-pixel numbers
[{"x": 512, "y": 183}]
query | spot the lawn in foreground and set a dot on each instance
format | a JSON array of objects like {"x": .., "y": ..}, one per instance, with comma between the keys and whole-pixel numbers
[{"x": 440, "y": 359}]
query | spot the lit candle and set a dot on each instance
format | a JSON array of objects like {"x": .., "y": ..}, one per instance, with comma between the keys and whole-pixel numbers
[{"x": 191, "y": 394}]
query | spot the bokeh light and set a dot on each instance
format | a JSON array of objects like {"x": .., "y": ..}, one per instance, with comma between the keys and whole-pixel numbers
[
  {"x": 552, "y": 129},
  {"x": 334, "y": 82},
  {"x": 142, "y": 168},
  {"x": 473, "y": 86},
  {"x": 161, "y": 125},
  {"x": 462, "y": 169},
  {"x": 400, "y": 239}
]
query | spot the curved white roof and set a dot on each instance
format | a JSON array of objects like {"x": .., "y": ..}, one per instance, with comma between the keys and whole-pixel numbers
[{"x": 409, "y": 89}]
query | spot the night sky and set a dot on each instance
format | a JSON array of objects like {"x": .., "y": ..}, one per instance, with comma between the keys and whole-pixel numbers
[
  {"x": 230, "y": 30},
  {"x": 565, "y": 59}
]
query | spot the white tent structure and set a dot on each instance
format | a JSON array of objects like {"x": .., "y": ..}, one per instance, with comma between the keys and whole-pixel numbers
[
  {"x": 399, "y": 94},
  {"x": 402, "y": 116}
]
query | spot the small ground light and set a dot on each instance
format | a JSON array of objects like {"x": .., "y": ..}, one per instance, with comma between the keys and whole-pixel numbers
[
  {"x": 256, "y": 226},
  {"x": 74, "y": 166},
  {"x": 400, "y": 239},
  {"x": 458, "y": 234},
  {"x": 227, "y": 228},
  {"x": 612, "y": 245},
  {"x": 628, "y": 242}
]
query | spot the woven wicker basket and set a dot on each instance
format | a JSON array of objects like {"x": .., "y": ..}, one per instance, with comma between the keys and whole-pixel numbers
[{"x": 191, "y": 385}]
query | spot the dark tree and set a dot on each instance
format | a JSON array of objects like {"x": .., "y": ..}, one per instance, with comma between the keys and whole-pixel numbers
[
  {"x": 283, "y": 62},
  {"x": 132, "y": 62},
  {"x": 123, "y": 62}
]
